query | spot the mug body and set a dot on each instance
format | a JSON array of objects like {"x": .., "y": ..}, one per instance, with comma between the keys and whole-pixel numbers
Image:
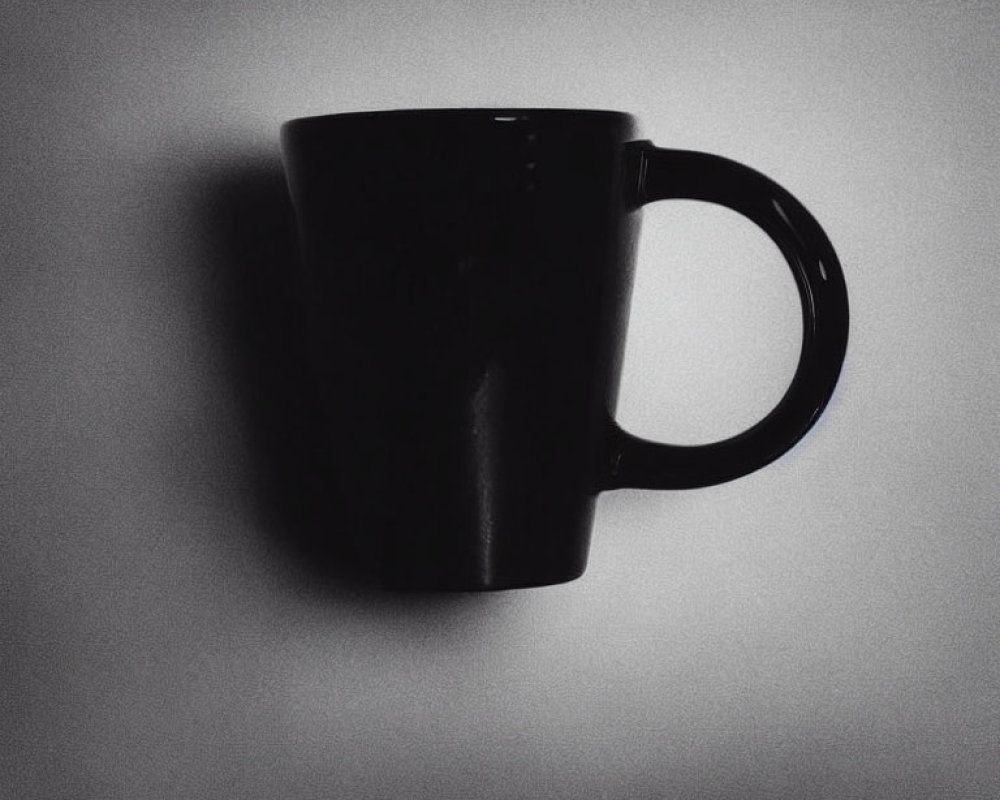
[{"x": 466, "y": 280}]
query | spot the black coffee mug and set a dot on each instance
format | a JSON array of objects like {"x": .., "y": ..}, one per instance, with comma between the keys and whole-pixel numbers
[{"x": 468, "y": 275}]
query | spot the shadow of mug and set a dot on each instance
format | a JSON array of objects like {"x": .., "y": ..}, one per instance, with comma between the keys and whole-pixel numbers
[{"x": 245, "y": 210}]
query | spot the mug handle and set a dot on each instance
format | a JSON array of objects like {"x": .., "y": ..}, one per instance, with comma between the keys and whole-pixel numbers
[{"x": 658, "y": 174}]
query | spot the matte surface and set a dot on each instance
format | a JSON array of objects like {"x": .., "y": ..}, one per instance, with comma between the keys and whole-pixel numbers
[{"x": 825, "y": 628}]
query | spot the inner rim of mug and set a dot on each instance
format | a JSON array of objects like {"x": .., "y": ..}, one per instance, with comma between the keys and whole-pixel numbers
[{"x": 500, "y": 114}]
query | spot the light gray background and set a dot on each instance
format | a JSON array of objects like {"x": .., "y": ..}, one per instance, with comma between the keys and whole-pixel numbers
[{"x": 825, "y": 628}]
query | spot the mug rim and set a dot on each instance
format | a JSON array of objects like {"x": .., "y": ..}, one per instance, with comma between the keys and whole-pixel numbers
[{"x": 499, "y": 113}]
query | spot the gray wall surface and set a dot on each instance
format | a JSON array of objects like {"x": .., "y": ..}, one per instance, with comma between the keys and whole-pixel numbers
[{"x": 825, "y": 628}]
